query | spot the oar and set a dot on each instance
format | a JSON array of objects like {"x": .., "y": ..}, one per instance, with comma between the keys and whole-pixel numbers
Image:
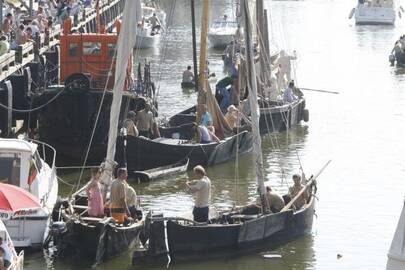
[
  {"x": 319, "y": 90},
  {"x": 308, "y": 184}
]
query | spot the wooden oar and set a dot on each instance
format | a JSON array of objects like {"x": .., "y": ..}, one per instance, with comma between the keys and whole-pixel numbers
[
  {"x": 319, "y": 90},
  {"x": 308, "y": 184}
]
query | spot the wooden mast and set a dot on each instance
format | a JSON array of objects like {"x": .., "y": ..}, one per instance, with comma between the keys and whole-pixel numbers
[
  {"x": 203, "y": 76},
  {"x": 194, "y": 45}
]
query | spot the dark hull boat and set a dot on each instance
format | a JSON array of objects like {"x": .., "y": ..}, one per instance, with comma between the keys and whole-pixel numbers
[
  {"x": 231, "y": 233},
  {"x": 67, "y": 123},
  {"x": 94, "y": 239},
  {"x": 274, "y": 117},
  {"x": 145, "y": 154}
]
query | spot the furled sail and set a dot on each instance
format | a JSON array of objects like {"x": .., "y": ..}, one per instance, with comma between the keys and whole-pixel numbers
[{"x": 126, "y": 42}]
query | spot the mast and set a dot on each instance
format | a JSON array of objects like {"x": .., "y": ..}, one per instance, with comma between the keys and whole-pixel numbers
[
  {"x": 203, "y": 83},
  {"x": 125, "y": 44},
  {"x": 251, "y": 72},
  {"x": 194, "y": 45},
  {"x": 261, "y": 38}
]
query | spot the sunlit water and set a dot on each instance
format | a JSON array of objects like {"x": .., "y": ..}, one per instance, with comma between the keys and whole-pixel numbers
[{"x": 362, "y": 130}]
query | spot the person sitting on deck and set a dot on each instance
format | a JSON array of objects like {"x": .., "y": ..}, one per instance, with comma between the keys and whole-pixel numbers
[
  {"x": 295, "y": 189},
  {"x": 203, "y": 134},
  {"x": 188, "y": 76},
  {"x": 144, "y": 121},
  {"x": 206, "y": 118},
  {"x": 129, "y": 124},
  {"x": 154, "y": 21},
  {"x": 276, "y": 202},
  {"x": 201, "y": 187},
  {"x": 118, "y": 199},
  {"x": 234, "y": 117},
  {"x": 288, "y": 95},
  {"x": 94, "y": 194},
  {"x": 4, "y": 45}
]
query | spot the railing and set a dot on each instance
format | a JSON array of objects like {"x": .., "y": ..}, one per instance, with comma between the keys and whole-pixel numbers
[{"x": 10, "y": 62}]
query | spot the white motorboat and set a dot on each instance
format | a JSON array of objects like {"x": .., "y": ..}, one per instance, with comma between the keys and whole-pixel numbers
[
  {"x": 21, "y": 165},
  {"x": 396, "y": 254},
  {"x": 374, "y": 12},
  {"x": 222, "y": 32},
  {"x": 146, "y": 37},
  {"x": 16, "y": 260}
]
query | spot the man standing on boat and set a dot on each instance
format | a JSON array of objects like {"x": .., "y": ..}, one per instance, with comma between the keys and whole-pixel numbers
[
  {"x": 201, "y": 186},
  {"x": 144, "y": 121},
  {"x": 118, "y": 200}
]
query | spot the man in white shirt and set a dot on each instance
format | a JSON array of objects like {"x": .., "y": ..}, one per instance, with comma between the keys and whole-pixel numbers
[{"x": 201, "y": 186}]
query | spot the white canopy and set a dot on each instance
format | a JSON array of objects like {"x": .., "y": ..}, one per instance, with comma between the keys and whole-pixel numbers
[{"x": 396, "y": 255}]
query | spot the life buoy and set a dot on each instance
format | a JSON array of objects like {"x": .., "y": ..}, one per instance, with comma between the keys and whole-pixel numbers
[
  {"x": 305, "y": 115},
  {"x": 352, "y": 13}
]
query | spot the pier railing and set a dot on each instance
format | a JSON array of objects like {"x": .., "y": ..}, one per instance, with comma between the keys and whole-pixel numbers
[{"x": 110, "y": 11}]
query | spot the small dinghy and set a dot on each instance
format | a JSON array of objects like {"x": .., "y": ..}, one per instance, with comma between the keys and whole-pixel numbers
[{"x": 160, "y": 172}]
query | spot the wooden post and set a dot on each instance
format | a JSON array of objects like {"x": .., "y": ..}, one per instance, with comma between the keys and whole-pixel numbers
[{"x": 194, "y": 45}]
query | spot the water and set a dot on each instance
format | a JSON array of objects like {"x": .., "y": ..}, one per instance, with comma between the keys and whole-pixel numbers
[{"x": 361, "y": 129}]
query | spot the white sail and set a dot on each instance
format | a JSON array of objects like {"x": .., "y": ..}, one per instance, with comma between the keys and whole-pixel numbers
[
  {"x": 126, "y": 42},
  {"x": 396, "y": 255}
]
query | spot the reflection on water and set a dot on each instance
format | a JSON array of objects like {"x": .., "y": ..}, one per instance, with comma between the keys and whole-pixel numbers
[{"x": 361, "y": 130}]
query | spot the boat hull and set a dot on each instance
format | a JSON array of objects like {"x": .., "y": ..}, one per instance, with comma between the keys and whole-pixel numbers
[
  {"x": 374, "y": 15},
  {"x": 145, "y": 154},
  {"x": 146, "y": 41},
  {"x": 220, "y": 41}
]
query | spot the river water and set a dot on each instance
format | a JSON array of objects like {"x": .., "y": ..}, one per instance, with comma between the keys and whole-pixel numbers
[{"x": 361, "y": 130}]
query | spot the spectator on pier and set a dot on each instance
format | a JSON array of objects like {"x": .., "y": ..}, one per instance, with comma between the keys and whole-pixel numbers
[
  {"x": 201, "y": 187},
  {"x": 295, "y": 189},
  {"x": 7, "y": 24},
  {"x": 29, "y": 33},
  {"x": 94, "y": 194},
  {"x": 4, "y": 45},
  {"x": 20, "y": 37}
]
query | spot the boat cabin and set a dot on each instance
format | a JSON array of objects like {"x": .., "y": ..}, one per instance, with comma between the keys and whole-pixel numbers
[
  {"x": 89, "y": 55},
  {"x": 21, "y": 165}
]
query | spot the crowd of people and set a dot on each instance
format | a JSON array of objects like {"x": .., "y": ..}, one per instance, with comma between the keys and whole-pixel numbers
[{"x": 19, "y": 26}]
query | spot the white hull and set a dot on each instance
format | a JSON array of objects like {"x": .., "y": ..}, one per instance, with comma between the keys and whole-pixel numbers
[
  {"x": 28, "y": 232},
  {"x": 374, "y": 15},
  {"x": 145, "y": 42},
  {"x": 220, "y": 41},
  {"x": 394, "y": 264}
]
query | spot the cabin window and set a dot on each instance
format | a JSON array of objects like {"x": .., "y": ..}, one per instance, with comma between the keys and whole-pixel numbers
[
  {"x": 111, "y": 49},
  {"x": 10, "y": 165},
  {"x": 73, "y": 49},
  {"x": 91, "y": 48}
]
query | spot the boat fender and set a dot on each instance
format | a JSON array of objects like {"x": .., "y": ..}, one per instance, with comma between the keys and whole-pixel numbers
[
  {"x": 391, "y": 58},
  {"x": 306, "y": 115},
  {"x": 352, "y": 13}
]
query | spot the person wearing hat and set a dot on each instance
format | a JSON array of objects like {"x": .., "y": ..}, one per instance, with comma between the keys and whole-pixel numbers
[
  {"x": 295, "y": 189},
  {"x": 118, "y": 200},
  {"x": 201, "y": 187},
  {"x": 234, "y": 117}
]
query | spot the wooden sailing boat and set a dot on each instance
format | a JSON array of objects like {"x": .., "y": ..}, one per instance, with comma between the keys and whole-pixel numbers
[
  {"x": 177, "y": 144},
  {"x": 98, "y": 239},
  {"x": 239, "y": 229},
  {"x": 275, "y": 115}
]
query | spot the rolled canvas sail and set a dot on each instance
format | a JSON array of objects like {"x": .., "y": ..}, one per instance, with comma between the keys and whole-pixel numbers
[
  {"x": 396, "y": 255},
  {"x": 126, "y": 42}
]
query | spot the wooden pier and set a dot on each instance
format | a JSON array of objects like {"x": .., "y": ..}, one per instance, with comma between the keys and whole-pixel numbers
[{"x": 110, "y": 11}]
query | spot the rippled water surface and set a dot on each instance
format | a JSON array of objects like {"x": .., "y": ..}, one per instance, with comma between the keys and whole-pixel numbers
[{"x": 362, "y": 130}]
